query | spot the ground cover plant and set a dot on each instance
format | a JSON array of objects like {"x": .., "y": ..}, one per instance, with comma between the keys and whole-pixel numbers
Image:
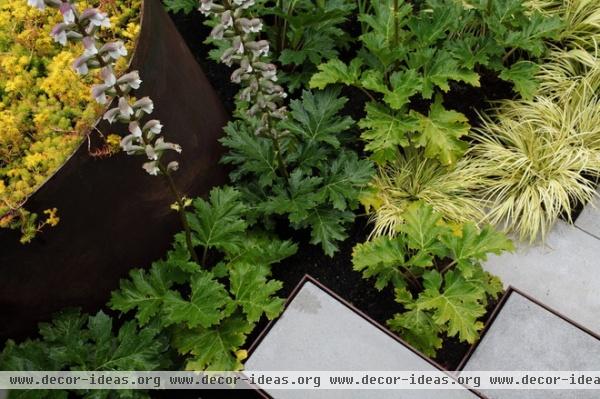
[
  {"x": 340, "y": 104},
  {"x": 45, "y": 111}
]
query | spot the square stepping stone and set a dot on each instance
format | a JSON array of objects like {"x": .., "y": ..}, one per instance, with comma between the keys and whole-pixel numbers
[
  {"x": 317, "y": 331},
  {"x": 526, "y": 336},
  {"x": 589, "y": 219},
  {"x": 563, "y": 273}
]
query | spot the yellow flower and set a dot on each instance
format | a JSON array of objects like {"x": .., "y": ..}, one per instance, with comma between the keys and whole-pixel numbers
[
  {"x": 52, "y": 219},
  {"x": 241, "y": 354}
]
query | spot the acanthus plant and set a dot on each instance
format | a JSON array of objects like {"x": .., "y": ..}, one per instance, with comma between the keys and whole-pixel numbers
[
  {"x": 208, "y": 310},
  {"x": 144, "y": 137},
  {"x": 287, "y": 163}
]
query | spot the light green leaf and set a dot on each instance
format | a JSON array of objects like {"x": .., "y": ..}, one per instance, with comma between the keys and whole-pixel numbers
[
  {"x": 381, "y": 258},
  {"x": 440, "y": 133},
  {"x": 385, "y": 131},
  {"x": 458, "y": 306},
  {"x": 214, "y": 348},
  {"x": 335, "y": 71},
  {"x": 522, "y": 75}
]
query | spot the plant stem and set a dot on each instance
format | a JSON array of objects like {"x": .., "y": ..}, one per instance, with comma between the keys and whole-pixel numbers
[
  {"x": 413, "y": 279},
  {"x": 506, "y": 57},
  {"x": 447, "y": 267},
  {"x": 182, "y": 215},
  {"x": 280, "y": 160},
  {"x": 396, "y": 24}
]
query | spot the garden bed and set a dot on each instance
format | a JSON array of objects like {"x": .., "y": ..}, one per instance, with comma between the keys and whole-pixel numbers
[
  {"x": 336, "y": 272},
  {"x": 385, "y": 148}
]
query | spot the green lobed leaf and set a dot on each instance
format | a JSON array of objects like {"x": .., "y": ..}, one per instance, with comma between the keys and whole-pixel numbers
[
  {"x": 328, "y": 227},
  {"x": 385, "y": 131},
  {"x": 253, "y": 155},
  {"x": 254, "y": 292},
  {"x": 381, "y": 258},
  {"x": 457, "y": 306},
  {"x": 474, "y": 245},
  {"x": 213, "y": 348},
  {"x": 440, "y": 132},
  {"x": 144, "y": 291},
  {"x": 344, "y": 178},
  {"x": 208, "y": 303},
  {"x": 522, "y": 75},
  {"x": 218, "y": 223},
  {"x": 335, "y": 71},
  {"x": 315, "y": 118}
]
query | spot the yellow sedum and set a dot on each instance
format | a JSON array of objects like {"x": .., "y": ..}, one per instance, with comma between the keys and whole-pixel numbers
[{"x": 46, "y": 109}]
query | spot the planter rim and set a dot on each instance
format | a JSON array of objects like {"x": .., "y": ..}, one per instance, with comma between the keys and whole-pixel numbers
[
  {"x": 307, "y": 278},
  {"x": 509, "y": 291},
  {"x": 86, "y": 133}
]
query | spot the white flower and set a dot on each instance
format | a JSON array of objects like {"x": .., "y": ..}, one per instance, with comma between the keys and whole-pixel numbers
[
  {"x": 81, "y": 65},
  {"x": 99, "y": 93},
  {"x": 206, "y": 7},
  {"x": 151, "y": 153},
  {"x": 67, "y": 12},
  {"x": 173, "y": 166},
  {"x": 113, "y": 51},
  {"x": 258, "y": 48},
  {"x": 90, "y": 46},
  {"x": 111, "y": 114},
  {"x": 226, "y": 19},
  {"x": 59, "y": 33},
  {"x": 39, "y": 4},
  {"x": 125, "y": 110},
  {"x": 134, "y": 129},
  {"x": 144, "y": 104},
  {"x": 108, "y": 76},
  {"x": 131, "y": 80},
  {"x": 237, "y": 45},
  {"x": 153, "y": 127},
  {"x": 130, "y": 145},
  {"x": 160, "y": 145},
  {"x": 96, "y": 19},
  {"x": 151, "y": 168}
]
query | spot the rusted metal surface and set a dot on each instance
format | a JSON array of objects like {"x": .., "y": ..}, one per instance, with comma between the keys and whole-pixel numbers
[{"x": 113, "y": 215}]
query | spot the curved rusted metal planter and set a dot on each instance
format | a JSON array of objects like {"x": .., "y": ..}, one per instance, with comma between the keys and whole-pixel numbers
[{"x": 113, "y": 215}]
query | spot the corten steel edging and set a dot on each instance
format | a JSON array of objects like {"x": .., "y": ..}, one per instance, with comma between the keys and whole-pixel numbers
[
  {"x": 509, "y": 291},
  {"x": 114, "y": 216},
  {"x": 334, "y": 295}
]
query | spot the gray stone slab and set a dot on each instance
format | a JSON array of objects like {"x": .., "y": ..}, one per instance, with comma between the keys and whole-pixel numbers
[
  {"x": 563, "y": 273},
  {"x": 525, "y": 336},
  {"x": 317, "y": 332},
  {"x": 589, "y": 219}
]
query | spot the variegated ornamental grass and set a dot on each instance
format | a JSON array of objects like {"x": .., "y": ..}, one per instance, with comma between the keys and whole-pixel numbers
[
  {"x": 536, "y": 157},
  {"x": 413, "y": 177}
]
